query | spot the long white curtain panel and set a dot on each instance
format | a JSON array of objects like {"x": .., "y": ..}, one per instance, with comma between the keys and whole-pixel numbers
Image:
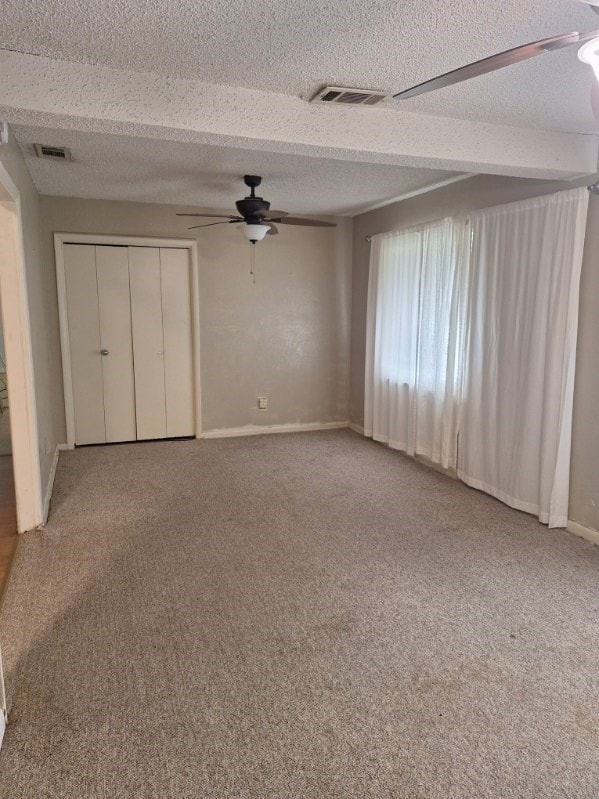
[
  {"x": 417, "y": 299},
  {"x": 516, "y": 419},
  {"x": 471, "y": 347}
]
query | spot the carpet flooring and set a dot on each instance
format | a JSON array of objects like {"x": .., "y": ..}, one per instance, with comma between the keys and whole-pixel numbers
[{"x": 295, "y": 616}]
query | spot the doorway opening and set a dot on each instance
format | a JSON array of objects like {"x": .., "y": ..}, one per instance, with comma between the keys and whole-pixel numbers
[{"x": 20, "y": 483}]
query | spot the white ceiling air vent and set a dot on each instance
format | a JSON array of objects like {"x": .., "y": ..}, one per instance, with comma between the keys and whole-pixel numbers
[
  {"x": 56, "y": 153},
  {"x": 337, "y": 94}
]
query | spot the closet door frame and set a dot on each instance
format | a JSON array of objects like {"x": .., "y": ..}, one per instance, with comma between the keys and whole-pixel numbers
[{"x": 60, "y": 239}]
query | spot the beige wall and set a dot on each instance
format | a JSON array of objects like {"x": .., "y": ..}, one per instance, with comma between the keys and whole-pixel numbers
[
  {"x": 481, "y": 192},
  {"x": 284, "y": 337},
  {"x": 41, "y": 290},
  {"x": 584, "y": 474}
]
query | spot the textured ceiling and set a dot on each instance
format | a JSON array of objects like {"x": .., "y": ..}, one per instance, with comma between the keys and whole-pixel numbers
[
  {"x": 220, "y": 82},
  {"x": 148, "y": 170},
  {"x": 295, "y": 47}
]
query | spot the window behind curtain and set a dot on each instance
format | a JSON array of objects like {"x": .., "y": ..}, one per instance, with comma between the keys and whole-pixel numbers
[
  {"x": 417, "y": 312},
  {"x": 480, "y": 328}
]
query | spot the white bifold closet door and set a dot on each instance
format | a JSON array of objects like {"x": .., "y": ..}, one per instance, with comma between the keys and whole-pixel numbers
[
  {"x": 114, "y": 309},
  {"x": 130, "y": 335},
  {"x": 162, "y": 352}
]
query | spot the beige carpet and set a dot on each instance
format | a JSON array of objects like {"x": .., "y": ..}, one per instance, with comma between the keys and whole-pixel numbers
[{"x": 295, "y": 617}]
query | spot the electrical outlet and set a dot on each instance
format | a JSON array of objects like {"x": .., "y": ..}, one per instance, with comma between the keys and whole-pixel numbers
[{"x": 262, "y": 403}]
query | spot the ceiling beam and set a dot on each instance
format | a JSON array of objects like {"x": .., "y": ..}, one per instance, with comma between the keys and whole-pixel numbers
[{"x": 41, "y": 91}]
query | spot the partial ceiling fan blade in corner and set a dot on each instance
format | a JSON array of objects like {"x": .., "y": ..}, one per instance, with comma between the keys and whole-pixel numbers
[
  {"x": 275, "y": 214},
  {"x": 296, "y": 220},
  {"x": 214, "y": 216},
  {"x": 497, "y": 61},
  {"x": 211, "y": 224},
  {"x": 272, "y": 229}
]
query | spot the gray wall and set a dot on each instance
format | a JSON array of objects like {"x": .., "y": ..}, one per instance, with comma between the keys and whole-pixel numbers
[
  {"x": 481, "y": 192},
  {"x": 43, "y": 313},
  {"x": 584, "y": 474},
  {"x": 284, "y": 336}
]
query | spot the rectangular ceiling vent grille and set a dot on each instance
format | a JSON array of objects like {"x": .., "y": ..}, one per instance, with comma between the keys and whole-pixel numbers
[
  {"x": 57, "y": 153},
  {"x": 337, "y": 94}
]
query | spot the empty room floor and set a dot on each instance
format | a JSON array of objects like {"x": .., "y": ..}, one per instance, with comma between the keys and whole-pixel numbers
[{"x": 286, "y": 616}]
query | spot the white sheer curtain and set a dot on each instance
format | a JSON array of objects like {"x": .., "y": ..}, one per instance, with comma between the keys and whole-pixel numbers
[
  {"x": 515, "y": 427},
  {"x": 414, "y": 351}
]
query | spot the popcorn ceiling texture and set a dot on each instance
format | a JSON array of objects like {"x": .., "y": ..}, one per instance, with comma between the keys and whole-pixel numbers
[
  {"x": 237, "y": 76},
  {"x": 294, "y": 48},
  {"x": 38, "y": 90},
  {"x": 149, "y": 170}
]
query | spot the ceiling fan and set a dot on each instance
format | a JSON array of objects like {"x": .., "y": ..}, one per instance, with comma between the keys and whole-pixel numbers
[
  {"x": 589, "y": 53},
  {"x": 255, "y": 214}
]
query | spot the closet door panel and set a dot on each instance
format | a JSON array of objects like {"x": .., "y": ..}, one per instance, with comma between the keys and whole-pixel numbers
[
  {"x": 178, "y": 345},
  {"x": 84, "y": 342},
  {"x": 148, "y": 346},
  {"x": 112, "y": 267}
]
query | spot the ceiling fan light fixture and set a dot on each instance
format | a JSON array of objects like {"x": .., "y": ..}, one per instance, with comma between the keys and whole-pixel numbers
[
  {"x": 589, "y": 54},
  {"x": 254, "y": 233}
]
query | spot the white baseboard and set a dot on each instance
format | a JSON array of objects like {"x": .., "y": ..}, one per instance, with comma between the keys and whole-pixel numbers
[
  {"x": 259, "y": 430},
  {"x": 583, "y": 532},
  {"x": 50, "y": 483},
  {"x": 357, "y": 428}
]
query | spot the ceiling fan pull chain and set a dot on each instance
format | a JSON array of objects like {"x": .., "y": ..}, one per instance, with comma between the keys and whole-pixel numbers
[{"x": 253, "y": 262}]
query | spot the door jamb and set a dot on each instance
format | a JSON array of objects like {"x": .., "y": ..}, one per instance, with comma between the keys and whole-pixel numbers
[
  {"x": 60, "y": 239},
  {"x": 19, "y": 358}
]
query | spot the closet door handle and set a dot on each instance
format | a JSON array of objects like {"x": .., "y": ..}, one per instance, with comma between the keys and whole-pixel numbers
[{"x": 104, "y": 352}]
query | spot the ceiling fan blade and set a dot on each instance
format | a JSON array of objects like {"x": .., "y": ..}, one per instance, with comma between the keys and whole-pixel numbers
[
  {"x": 275, "y": 214},
  {"x": 296, "y": 220},
  {"x": 210, "y": 224},
  {"x": 215, "y": 216},
  {"x": 273, "y": 230},
  {"x": 497, "y": 61}
]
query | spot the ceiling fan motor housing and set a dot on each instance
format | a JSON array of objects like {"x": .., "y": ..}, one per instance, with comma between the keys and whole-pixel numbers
[
  {"x": 252, "y": 207},
  {"x": 256, "y": 215}
]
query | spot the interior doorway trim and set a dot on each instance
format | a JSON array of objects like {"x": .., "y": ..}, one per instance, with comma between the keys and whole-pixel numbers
[
  {"x": 19, "y": 359},
  {"x": 60, "y": 239}
]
